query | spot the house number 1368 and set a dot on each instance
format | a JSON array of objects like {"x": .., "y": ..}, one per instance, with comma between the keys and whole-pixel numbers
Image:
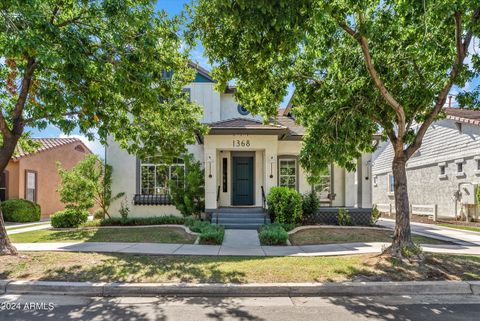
[{"x": 241, "y": 143}]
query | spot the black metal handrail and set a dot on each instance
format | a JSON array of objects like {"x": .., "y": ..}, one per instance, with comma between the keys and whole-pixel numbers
[
  {"x": 264, "y": 206},
  {"x": 218, "y": 198},
  {"x": 152, "y": 199}
]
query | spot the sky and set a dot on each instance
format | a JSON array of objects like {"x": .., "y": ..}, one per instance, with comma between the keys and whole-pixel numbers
[{"x": 174, "y": 7}]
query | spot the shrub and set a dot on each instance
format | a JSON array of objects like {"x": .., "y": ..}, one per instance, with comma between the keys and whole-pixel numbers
[
  {"x": 124, "y": 209},
  {"x": 99, "y": 214},
  {"x": 375, "y": 215},
  {"x": 284, "y": 205},
  {"x": 273, "y": 234},
  {"x": 189, "y": 197},
  {"x": 132, "y": 221},
  {"x": 343, "y": 217},
  {"x": 310, "y": 204},
  {"x": 69, "y": 218},
  {"x": 20, "y": 210},
  {"x": 212, "y": 234},
  {"x": 288, "y": 226}
]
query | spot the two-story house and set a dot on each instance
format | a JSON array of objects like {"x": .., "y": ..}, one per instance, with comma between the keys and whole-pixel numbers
[{"x": 243, "y": 159}]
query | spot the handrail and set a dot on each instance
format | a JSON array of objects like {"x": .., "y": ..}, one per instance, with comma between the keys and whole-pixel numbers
[
  {"x": 264, "y": 206},
  {"x": 218, "y": 198}
]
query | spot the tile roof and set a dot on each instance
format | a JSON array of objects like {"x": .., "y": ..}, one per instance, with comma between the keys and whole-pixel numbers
[
  {"x": 294, "y": 128},
  {"x": 46, "y": 144},
  {"x": 464, "y": 115}
]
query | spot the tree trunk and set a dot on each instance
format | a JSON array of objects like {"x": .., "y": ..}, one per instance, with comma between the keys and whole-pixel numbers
[
  {"x": 6, "y": 152},
  {"x": 402, "y": 236}
]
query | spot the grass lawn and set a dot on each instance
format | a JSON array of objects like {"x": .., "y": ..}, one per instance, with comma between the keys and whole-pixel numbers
[
  {"x": 346, "y": 235},
  {"x": 148, "y": 234},
  {"x": 461, "y": 227},
  {"x": 68, "y": 266}
]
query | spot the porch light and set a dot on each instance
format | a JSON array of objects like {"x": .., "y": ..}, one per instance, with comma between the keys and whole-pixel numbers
[
  {"x": 272, "y": 161},
  {"x": 209, "y": 166}
]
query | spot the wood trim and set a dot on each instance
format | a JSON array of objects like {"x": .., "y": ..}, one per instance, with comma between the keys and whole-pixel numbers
[{"x": 35, "y": 195}]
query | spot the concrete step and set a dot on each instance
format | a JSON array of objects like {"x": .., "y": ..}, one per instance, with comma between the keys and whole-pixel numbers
[
  {"x": 235, "y": 209},
  {"x": 222, "y": 220},
  {"x": 242, "y": 226},
  {"x": 241, "y": 216}
]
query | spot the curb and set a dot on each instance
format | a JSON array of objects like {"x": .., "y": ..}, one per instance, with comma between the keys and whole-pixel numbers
[{"x": 239, "y": 290}]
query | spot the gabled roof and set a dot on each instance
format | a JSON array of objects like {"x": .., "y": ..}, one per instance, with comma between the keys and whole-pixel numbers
[
  {"x": 464, "y": 115},
  {"x": 243, "y": 123},
  {"x": 47, "y": 144},
  {"x": 294, "y": 128}
]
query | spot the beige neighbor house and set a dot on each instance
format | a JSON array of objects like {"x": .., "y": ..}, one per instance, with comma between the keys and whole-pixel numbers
[
  {"x": 442, "y": 175},
  {"x": 34, "y": 176},
  {"x": 243, "y": 159}
]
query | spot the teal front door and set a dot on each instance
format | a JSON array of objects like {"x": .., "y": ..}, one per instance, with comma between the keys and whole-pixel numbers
[{"x": 242, "y": 180}]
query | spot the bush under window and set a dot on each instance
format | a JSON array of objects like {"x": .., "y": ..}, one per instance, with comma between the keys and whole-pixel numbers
[{"x": 284, "y": 205}]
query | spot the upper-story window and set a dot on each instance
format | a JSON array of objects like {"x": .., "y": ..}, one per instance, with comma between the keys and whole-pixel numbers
[
  {"x": 242, "y": 110},
  {"x": 155, "y": 175},
  {"x": 459, "y": 167}
]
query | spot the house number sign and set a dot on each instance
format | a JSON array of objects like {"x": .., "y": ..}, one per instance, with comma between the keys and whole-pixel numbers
[{"x": 241, "y": 143}]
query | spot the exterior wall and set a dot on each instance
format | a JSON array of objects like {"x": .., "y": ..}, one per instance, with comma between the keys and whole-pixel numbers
[
  {"x": 229, "y": 109},
  {"x": 443, "y": 144},
  {"x": 48, "y": 180},
  {"x": 205, "y": 95}
]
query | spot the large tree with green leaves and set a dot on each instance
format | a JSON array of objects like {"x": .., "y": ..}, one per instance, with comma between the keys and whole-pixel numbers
[
  {"x": 357, "y": 67},
  {"x": 100, "y": 66}
]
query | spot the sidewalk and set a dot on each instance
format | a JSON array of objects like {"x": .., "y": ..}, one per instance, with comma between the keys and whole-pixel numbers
[
  {"x": 15, "y": 229},
  {"x": 224, "y": 250},
  {"x": 461, "y": 237}
]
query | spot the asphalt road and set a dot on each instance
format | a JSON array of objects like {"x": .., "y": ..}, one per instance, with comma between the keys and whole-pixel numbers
[{"x": 424, "y": 308}]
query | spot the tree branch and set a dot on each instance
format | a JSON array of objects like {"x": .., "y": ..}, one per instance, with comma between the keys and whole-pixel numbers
[
  {"x": 33, "y": 119},
  {"x": 462, "y": 50},
  {"x": 17, "y": 115},
  {"x": 391, "y": 101},
  {"x": 4, "y": 126}
]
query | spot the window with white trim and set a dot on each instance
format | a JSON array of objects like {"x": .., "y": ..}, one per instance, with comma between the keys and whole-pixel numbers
[
  {"x": 288, "y": 172},
  {"x": 391, "y": 183},
  {"x": 31, "y": 185},
  {"x": 155, "y": 174}
]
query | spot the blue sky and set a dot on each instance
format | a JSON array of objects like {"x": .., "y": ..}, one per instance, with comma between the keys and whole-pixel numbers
[{"x": 174, "y": 7}]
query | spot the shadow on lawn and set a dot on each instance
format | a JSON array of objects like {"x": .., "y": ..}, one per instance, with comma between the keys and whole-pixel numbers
[{"x": 123, "y": 268}]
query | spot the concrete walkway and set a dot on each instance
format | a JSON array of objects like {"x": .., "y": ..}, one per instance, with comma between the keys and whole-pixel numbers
[
  {"x": 27, "y": 228},
  {"x": 456, "y": 236},
  {"x": 225, "y": 250}
]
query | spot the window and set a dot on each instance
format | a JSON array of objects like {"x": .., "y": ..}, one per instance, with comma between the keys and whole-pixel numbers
[
  {"x": 155, "y": 175},
  {"x": 288, "y": 173},
  {"x": 225, "y": 174},
  {"x": 323, "y": 187},
  {"x": 459, "y": 167},
  {"x": 3, "y": 186},
  {"x": 31, "y": 185},
  {"x": 242, "y": 110},
  {"x": 391, "y": 183},
  {"x": 478, "y": 164},
  {"x": 442, "y": 169}
]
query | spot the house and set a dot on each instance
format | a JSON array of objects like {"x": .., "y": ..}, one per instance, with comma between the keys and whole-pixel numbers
[
  {"x": 243, "y": 159},
  {"x": 34, "y": 176},
  {"x": 442, "y": 174}
]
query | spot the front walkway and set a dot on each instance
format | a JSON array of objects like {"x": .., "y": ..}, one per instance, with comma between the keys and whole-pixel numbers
[
  {"x": 21, "y": 228},
  {"x": 225, "y": 250},
  {"x": 457, "y": 236}
]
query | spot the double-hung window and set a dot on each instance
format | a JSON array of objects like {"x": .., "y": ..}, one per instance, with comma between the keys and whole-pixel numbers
[
  {"x": 31, "y": 185},
  {"x": 288, "y": 172},
  {"x": 155, "y": 175}
]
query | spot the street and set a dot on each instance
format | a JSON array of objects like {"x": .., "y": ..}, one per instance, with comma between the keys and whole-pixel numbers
[{"x": 446, "y": 307}]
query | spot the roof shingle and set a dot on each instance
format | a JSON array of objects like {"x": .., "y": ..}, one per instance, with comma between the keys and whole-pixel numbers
[{"x": 46, "y": 144}]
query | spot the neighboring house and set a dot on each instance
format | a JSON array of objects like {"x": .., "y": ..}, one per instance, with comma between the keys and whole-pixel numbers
[
  {"x": 34, "y": 176},
  {"x": 442, "y": 174},
  {"x": 243, "y": 159}
]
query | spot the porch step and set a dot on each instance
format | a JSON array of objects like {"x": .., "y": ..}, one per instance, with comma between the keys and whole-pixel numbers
[
  {"x": 236, "y": 210},
  {"x": 246, "y": 218}
]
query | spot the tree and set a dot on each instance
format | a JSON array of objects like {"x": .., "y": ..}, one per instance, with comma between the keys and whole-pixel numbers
[
  {"x": 357, "y": 67},
  {"x": 188, "y": 189},
  {"x": 103, "y": 67},
  {"x": 88, "y": 184}
]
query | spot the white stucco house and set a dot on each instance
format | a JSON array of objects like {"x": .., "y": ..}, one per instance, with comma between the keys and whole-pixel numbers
[
  {"x": 442, "y": 175},
  {"x": 243, "y": 159}
]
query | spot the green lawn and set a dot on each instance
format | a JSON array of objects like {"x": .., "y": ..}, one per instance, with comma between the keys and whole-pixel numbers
[
  {"x": 350, "y": 235},
  {"x": 461, "y": 227},
  {"x": 148, "y": 234},
  {"x": 95, "y": 267}
]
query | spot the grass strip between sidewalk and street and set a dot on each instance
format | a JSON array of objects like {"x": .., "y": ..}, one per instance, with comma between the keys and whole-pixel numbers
[
  {"x": 350, "y": 235},
  {"x": 134, "y": 235},
  {"x": 95, "y": 267},
  {"x": 461, "y": 227}
]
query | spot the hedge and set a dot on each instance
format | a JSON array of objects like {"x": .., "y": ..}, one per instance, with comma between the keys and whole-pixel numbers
[
  {"x": 69, "y": 218},
  {"x": 273, "y": 234},
  {"x": 20, "y": 210}
]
